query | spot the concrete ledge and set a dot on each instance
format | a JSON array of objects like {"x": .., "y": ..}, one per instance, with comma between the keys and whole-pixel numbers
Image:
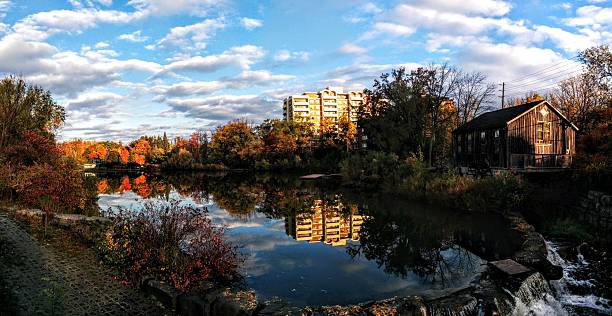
[
  {"x": 509, "y": 267},
  {"x": 213, "y": 303},
  {"x": 162, "y": 291},
  {"x": 30, "y": 213}
]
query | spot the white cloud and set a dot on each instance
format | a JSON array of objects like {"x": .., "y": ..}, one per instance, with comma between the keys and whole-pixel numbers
[
  {"x": 361, "y": 75},
  {"x": 192, "y": 36},
  {"x": 245, "y": 79},
  {"x": 286, "y": 55},
  {"x": 488, "y": 58},
  {"x": 250, "y": 78},
  {"x": 352, "y": 49},
  {"x": 5, "y": 5},
  {"x": 170, "y": 7},
  {"x": 251, "y": 24},
  {"x": 24, "y": 57},
  {"x": 66, "y": 73},
  {"x": 241, "y": 56},
  {"x": 570, "y": 42},
  {"x": 479, "y": 7},
  {"x": 223, "y": 108},
  {"x": 134, "y": 37},
  {"x": 188, "y": 88},
  {"x": 102, "y": 45},
  {"x": 91, "y": 105},
  {"x": 40, "y": 26},
  {"x": 363, "y": 13},
  {"x": 591, "y": 16},
  {"x": 387, "y": 28}
]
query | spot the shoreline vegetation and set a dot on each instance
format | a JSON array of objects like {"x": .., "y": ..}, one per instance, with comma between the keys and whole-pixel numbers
[{"x": 407, "y": 124}]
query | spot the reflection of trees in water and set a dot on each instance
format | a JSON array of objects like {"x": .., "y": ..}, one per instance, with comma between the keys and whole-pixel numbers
[
  {"x": 239, "y": 200},
  {"x": 403, "y": 246},
  {"x": 195, "y": 186}
]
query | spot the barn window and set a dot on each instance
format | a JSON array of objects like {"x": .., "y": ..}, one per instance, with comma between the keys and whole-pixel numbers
[
  {"x": 469, "y": 143},
  {"x": 543, "y": 127},
  {"x": 483, "y": 142},
  {"x": 543, "y": 132}
]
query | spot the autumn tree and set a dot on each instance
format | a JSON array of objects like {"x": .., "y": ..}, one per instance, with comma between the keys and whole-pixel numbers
[
  {"x": 74, "y": 150},
  {"x": 97, "y": 151},
  {"x": 285, "y": 143},
  {"x": 198, "y": 145},
  {"x": 347, "y": 132},
  {"x": 139, "y": 150},
  {"x": 235, "y": 145}
]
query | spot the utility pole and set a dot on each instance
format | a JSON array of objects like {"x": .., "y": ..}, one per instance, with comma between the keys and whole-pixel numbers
[{"x": 503, "y": 91}]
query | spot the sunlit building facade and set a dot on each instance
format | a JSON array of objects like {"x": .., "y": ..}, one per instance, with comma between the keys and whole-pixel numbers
[
  {"x": 326, "y": 223},
  {"x": 328, "y": 105}
]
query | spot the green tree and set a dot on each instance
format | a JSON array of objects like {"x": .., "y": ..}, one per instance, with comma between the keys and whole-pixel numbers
[
  {"x": 24, "y": 107},
  {"x": 394, "y": 117},
  {"x": 599, "y": 64}
]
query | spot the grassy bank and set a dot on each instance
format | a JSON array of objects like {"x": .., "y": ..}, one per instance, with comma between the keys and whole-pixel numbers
[{"x": 411, "y": 178}]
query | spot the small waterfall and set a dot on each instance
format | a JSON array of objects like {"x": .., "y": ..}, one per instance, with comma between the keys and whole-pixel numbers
[
  {"x": 561, "y": 287},
  {"x": 533, "y": 297}
]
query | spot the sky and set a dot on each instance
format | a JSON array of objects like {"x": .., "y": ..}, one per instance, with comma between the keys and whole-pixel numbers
[{"x": 123, "y": 69}]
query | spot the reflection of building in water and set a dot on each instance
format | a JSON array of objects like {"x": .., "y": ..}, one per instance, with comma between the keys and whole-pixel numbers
[{"x": 326, "y": 223}]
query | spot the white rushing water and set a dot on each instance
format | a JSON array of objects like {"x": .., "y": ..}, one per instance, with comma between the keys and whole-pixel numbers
[
  {"x": 561, "y": 287},
  {"x": 534, "y": 297},
  {"x": 538, "y": 297}
]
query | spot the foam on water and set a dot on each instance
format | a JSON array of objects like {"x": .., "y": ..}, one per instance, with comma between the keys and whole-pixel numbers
[
  {"x": 534, "y": 297},
  {"x": 561, "y": 287}
]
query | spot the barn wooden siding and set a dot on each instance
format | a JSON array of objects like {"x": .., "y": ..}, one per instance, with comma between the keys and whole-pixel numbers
[
  {"x": 526, "y": 150},
  {"x": 471, "y": 147},
  {"x": 517, "y": 145}
]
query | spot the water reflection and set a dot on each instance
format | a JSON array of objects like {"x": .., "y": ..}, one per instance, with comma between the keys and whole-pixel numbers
[
  {"x": 306, "y": 243},
  {"x": 330, "y": 223}
]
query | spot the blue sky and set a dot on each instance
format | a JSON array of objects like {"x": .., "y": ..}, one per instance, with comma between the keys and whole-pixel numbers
[{"x": 127, "y": 68}]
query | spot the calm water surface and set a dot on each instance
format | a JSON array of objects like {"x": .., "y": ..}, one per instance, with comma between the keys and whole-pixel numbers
[{"x": 313, "y": 244}]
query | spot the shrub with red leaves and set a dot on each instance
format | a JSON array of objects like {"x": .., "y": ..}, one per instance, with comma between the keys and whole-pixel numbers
[
  {"x": 62, "y": 184},
  {"x": 35, "y": 170},
  {"x": 174, "y": 242}
]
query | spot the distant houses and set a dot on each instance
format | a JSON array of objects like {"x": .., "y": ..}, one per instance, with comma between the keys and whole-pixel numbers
[{"x": 533, "y": 136}]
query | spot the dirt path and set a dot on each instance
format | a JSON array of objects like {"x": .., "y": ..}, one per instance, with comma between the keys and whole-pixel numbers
[{"x": 60, "y": 278}]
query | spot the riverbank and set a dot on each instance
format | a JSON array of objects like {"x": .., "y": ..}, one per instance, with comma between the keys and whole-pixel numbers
[
  {"x": 478, "y": 295},
  {"x": 58, "y": 276}
]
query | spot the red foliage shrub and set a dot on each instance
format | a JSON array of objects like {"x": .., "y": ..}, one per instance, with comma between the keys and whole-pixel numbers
[
  {"x": 62, "y": 184},
  {"x": 33, "y": 148},
  {"x": 34, "y": 168},
  {"x": 174, "y": 242}
]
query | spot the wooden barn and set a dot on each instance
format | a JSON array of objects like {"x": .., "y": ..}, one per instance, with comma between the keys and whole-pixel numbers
[{"x": 533, "y": 136}]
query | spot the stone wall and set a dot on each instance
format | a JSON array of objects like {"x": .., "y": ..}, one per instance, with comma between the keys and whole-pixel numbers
[{"x": 596, "y": 210}]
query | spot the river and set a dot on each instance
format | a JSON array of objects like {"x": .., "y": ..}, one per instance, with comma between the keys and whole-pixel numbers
[{"x": 313, "y": 243}]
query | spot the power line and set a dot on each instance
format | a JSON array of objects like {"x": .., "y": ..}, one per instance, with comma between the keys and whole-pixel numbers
[
  {"x": 538, "y": 89},
  {"x": 550, "y": 67},
  {"x": 543, "y": 69},
  {"x": 551, "y": 77},
  {"x": 549, "y": 73}
]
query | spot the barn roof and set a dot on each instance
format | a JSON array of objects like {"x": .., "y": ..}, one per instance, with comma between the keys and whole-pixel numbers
[{"x": 496, "y": 119}]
